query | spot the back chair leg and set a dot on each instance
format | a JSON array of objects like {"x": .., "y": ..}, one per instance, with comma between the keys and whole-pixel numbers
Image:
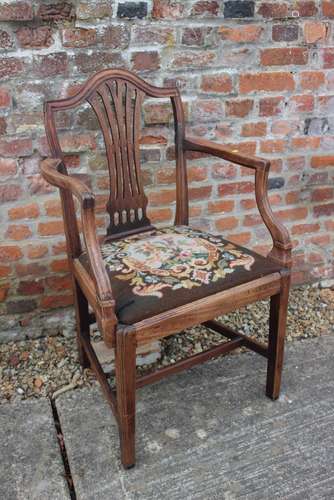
[
  {"x": 82, "y": 322},
  {"x": 277, "y": 329},
  {"x": 125, "y": 361}
]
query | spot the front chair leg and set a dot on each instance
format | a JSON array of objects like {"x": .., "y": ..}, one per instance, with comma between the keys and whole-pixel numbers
[
  {"x": 125, "y": 361},
  {"x": 277, "y": 329},
  {"x": 82, "y": 322}
]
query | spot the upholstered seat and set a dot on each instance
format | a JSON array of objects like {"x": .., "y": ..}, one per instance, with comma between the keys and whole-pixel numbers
[{"x": 161, "y": 269}]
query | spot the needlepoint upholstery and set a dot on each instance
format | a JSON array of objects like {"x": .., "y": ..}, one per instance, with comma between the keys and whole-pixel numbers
[{"x": 164, "y": 268}]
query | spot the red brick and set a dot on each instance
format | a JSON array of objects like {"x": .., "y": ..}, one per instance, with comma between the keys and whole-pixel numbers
[
  {"x": 199, "y": 59},
  {"x": 59, "y": 265},
  {"x": 312, "y": 80},
  {"x": 226, "y": 223},
  {"x": 247, "y": 148},
  {"x": 59, "y": 283},
  {"x": 97, "y": 60},
  {"x": 10, "y": 192},
  {"x": 76, "y": 143},
  {"x": 16, "y": 11},
  {"x": 224, "y": 170},
  {"x": 30, "y": 211},
  {"x": 241, "y": 34},
  {"x": 34, "y": 37},
  {"x": 322, "y": 161},
  {"x": 60, "y": 247},
  {"x": 235, "y": 188},
  {"x": 10, "y": 253},
  {"x": 153, "y": 35},
  {"x": 284, "y": 56},
  {"x": 4, "y": 288},
  {"x": 291, "y": 214},
  {"x": 258, "y": 129},
  {"x": 18, "y": 232},
  {"x": 240, "y": 108},
  {"x": 220, "y": 83},
  {"x": 220, "y": 206},
  {"x": 5, "y": 98},
  {"x": 273, "y": 9},
  {"x": 240, "y": 238},
  {"x": 269, "y": 82},
  {"x": 273, "y": 146},
  {"x": 157, "y": 215},
  {"x": 162, "y": 197},
  {"x": 284, "y": 127},
  {"x": 304, "y": 8},
  {"x": 60, "y": 11},
  {"x": 315, "y": 32},
  {"x": 78, "y": 37},
  {"x": 11, "y": 66},
  {"x": 158, "y": 114},
  {"x": 197, "y": 174},
  {"x": 50, "y": 228},
  {"x": 328, "y": 8},
  {"x": 117, "y": 37},
  {"x": 328, "y": 58},
  {"x": 147, "y": 60},
  {"x": 36, "y": 251},
  {"x": 4, "y": 271},
  {"x": 15, "y": 147},
  {"x": 205, "y": 8},
  {"x": 7, "y": 167},
  {"x": 248, "y": 204},
  {"x": 53, "y": 207},
  {"x": 270, "y": 106},
  {"x": 322, "y": 194},
  {"x": 50, "y": 65},
  {"x": 305, "y": 228},
  {"x": 301, "y": 103},
  {"x": 305, "y": 142},
  {"x": 323, "y": 210},
  {"x": 200, "y": 193},
  {"x": 30, "y": 287},
  {"x": 252, "y": 220},
  {"x": 55, "y": 301},
  {"x": 167, "y": 9}
]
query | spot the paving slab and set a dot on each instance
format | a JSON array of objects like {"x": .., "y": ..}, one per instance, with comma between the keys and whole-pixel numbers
[
  {"x": 31, "y": 464},
  {"x": 210, "y": 433}
]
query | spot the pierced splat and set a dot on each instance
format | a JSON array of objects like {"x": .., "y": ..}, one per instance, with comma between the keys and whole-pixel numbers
[{"x": 117, "y": 105}]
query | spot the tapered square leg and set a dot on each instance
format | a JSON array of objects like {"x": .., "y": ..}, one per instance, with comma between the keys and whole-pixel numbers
[
  {"x": 82, "y": 322},
  {"x": 277, "y": 329},
  {"x": 125, "y": 361}
]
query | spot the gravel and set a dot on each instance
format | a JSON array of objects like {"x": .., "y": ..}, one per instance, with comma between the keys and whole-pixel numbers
[{"x": 47, "y": 366}]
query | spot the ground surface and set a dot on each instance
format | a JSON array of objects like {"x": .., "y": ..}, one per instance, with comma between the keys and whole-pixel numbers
[
  {"x": 36, "y": 368},
  {"x": 206, "y": 433}
]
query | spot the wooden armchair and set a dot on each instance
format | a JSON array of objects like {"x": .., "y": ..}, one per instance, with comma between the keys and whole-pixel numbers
[{"x": 144, "y": 283}]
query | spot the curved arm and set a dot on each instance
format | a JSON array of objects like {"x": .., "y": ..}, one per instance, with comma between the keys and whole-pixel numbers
[
  {"x": 51, "y": 173},
  {"x": 281, "y": 251}
]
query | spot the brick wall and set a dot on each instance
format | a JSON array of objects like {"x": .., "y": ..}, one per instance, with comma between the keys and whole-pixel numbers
[{"x": 256, "y": 74}]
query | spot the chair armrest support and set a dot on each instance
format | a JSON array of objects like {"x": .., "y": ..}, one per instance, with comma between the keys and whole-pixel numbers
[
  {"x": 281, "y": 251},
  {"x": 51, "y": 172}
]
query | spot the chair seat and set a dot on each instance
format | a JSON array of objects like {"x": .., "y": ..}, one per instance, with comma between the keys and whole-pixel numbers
[{"x": 158, "y": 270}]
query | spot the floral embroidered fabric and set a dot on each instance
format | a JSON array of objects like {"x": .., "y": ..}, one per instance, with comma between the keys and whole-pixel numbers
[
  {"x": 158, "y": 270},
  {"x": 173, "y": 258}
]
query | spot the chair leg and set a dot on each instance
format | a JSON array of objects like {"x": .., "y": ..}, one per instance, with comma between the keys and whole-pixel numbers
[
  {"x": 277, "y": 329},
  {"x": 125, "y": 362},
  {"x": 82, "y": 322}
]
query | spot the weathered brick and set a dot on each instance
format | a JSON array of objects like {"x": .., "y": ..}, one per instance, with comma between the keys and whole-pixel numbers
[
  {"x": 322, "y": 161},
  {"x": 312, "y": 80},
  {"x": 116, "y": 37},
  {"x": 301, "y": 103},
  {"x": 5, "y": 98},
  {"x": 328, "y": 57},
  {"x": 271, "y": 106},
  {"x": 157, "y": 215},
  {"x": 315, "y": 32},
  {"x": 205, "y": 8},
  {"x": 220, "y": 206},
  {"x": 270, "y": 82},
  {"x": 36, "y": 251},
  {"x": 30, "y": 287},
  {"x": 21, "y": 306},
  {"x": 50, "y": 228},
  {"x": 193, "y": 59},
  {"x": 50, "y": 64},
  {"x": 132, "y": 10},
  {"x": 16, "y": 11},
  {"x": 240, "y": 108},
  {"x": 145, "y": 61},
  {"x": 90, "y": 63},
  {"x": 328, "y": 8},
  {"x": 305, "y": 142},
  {"x": 11, "y": 66},
  {"x": 10, "y": 192},
  {"x": 10, "y": 253},
  {"x": 322, "y": 194},
  {"x": 285, "y": 32},
  {"x": 284, "y": 56},
  {"x": 208, "y": 110},
  {"x": 15, "y": 147},
  {"x": 217, "y": 83},
  {"x": 8, "y": 167},
  {"x": 55, "y": 301},
  {"x": 235, "y": 188},
  {"x": 155, "y": 114},
  {"x": 323, "y": 210},
  {"x": 6, "y": 40},
  {"x": 61, "y": 11},
  {"x": 273, "y": 9},
  {"x": 34, "y": 37},
  {"x": 93, "y": 10},
  {"x": 226, "y": 223},
  {"x": 30, "y": 211},
  {"x": 78, "y": 37},
  {"x": 242, "y": 34},
  {"x": 59, "y": 283},
  {"x": 272, "y": 146},
  {"x": 167, "y": 9},
  {"x": 152, "y": 35},
  {"x": 257, "y": 129},
  {"x": 238, "y": 8},
  {"x": 304, "y": 8}
]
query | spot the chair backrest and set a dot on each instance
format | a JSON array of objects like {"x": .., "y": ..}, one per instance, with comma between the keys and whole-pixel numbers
[{"x": 116, "y": 97}]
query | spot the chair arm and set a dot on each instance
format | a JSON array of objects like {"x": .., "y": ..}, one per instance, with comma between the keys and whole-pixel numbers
[
  {"x": 226, "y": 153},
  {"x": 50, "y": 171},
  {"x": 281, "y": 251}
]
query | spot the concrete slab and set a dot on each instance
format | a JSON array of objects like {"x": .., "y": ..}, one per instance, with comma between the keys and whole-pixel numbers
[
  {"x": 31, "y": 464},
  {"x": 211, "y": 433}
]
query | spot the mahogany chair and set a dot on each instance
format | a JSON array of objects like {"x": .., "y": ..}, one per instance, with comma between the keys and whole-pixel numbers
[{"x": 144, "y": 283}]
